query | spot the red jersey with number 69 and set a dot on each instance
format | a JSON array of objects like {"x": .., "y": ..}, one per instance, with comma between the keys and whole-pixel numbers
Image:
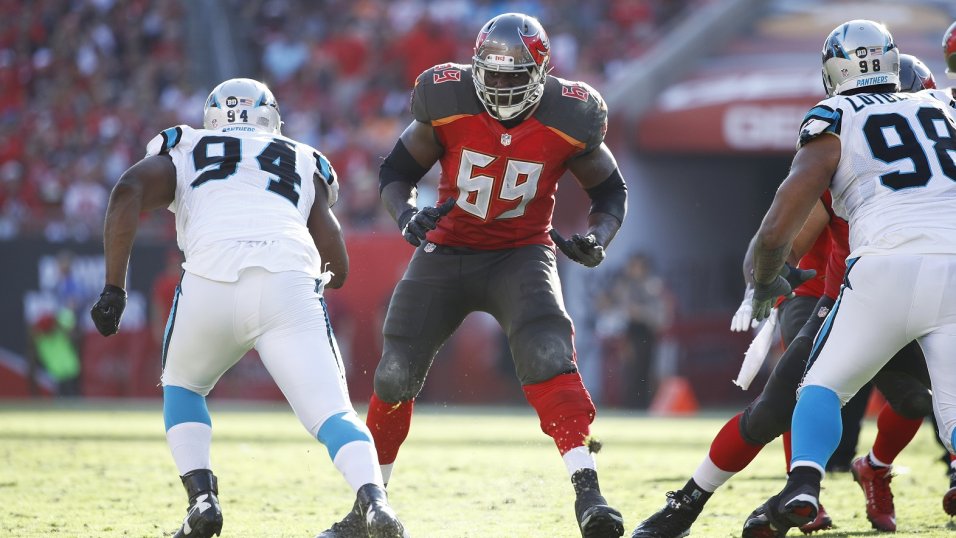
[{"x": 504, "y": 179}]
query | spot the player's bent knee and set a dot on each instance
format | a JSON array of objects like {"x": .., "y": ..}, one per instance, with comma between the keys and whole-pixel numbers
[
  {"x": 542, "y": 356},
  {"x": 394, "y": 382},
  {"x": 340, "y": 430},
  {"x": 763, "y": 422},
  {"x": 914, "y": 405}
]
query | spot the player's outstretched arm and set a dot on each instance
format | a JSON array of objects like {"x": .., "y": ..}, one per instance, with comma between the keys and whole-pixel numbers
[
  {"x": 411, "y": 158},
  {"x": 147, "y": 185},
  {"x": 327, "y": 234},
  {"x": 598, "y": 174},
  {"x": 813, "y": 167}
]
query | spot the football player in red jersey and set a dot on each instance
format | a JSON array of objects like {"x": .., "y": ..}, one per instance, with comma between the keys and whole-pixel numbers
[
  {"x": 949, "y": 53},
  {"x": 823, "y": 243},
  {"x": 503, "y": 131}
]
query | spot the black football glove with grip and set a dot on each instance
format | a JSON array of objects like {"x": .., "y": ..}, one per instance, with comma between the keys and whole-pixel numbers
[
  {"x": 789, "y": 279},
  {"x": 108, "y": 310},
  {"x": 582, "y": 249},
  {"x": 416, "y": 223},
  {"x": 796, "y": 276}
]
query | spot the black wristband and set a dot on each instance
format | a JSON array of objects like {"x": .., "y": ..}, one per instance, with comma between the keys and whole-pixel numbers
[{"x": 405, "y": 217}]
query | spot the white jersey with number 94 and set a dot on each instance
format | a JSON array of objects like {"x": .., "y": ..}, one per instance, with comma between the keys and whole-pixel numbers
[
  {"x": 243, "y": 199},
  {"x": 896, "y": 181}
]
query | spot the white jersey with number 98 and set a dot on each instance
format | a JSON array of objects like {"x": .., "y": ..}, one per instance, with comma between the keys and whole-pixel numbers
[
  {"x": 896, "y": 181},
  {"x": 243, "y": 199}
]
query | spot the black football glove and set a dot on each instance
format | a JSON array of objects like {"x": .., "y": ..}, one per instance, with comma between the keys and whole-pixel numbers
[
  {"x": 582, "y": 249},
  {"x": 766, "y": 294},
  {"x": 796, "y": 276},
  {"x": 106, "y": 313},
  {"x": 416, "y": 223}
]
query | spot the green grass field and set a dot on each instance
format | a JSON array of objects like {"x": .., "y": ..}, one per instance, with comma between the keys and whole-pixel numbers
[{"x": 104, "y": 470}]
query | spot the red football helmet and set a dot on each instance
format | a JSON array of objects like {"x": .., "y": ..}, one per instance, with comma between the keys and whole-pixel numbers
[
  {"x": 914, "y": 75},
  {"x": 949, "y": 50},
  {"x": 516, "y": 44}
]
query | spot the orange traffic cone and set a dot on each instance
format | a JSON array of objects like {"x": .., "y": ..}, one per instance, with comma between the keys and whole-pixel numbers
[
  {"x": 875, "y": 404},
  {"x": 674, "y": 397}
]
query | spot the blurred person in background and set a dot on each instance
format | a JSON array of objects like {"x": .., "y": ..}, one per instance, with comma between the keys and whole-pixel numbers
[
  {"x": 503, "y": 132},
  {"x": 649, "y": 308},
  {"x": 253, "y": 216},
  {"x": 53, "y": 348}
]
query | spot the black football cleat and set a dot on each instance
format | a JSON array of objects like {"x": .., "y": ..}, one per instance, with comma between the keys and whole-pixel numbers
[
  {"x": 351, "y": 526},
  {"x": 370, "y": 517},
  {"x": 204, "y": 515},
  {"x": 595, "y": 518},
  {"x": 782, "y": 512},
  {"x": 672, "y": 521}
]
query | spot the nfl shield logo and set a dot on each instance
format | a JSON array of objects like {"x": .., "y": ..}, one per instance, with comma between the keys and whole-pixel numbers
[{"x": 506, "y": 139}]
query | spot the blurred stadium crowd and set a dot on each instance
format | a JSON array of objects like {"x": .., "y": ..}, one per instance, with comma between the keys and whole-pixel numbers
[{"x": 88, "y": 82}]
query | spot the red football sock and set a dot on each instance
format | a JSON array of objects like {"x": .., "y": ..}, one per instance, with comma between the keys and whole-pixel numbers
[
  {"x": 564, "y": 408},
  {"x": 894, "y": 432},
  {"x": 389, "y": 424},
  {"x": 729, "y": 451},
  {"x": 787, "y": 449}
]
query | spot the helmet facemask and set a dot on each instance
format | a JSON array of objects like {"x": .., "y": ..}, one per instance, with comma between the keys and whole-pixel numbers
[
  {"x": 516, "y": 45},
  {"x": 242, "y": 101}
]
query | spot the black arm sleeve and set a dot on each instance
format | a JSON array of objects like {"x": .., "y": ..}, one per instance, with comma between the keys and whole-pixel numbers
[
  {"x": 399, "y": 165},
  {"x": 610, "y": 196}
]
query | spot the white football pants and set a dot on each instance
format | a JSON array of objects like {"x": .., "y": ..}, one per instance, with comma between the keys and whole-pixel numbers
[
  {"x": 890, "y": 301},
  {"x": 281, "y": 315}
]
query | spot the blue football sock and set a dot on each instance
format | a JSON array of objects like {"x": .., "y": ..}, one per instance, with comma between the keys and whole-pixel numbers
[
  {"x": 817, "y": 426},
  {"x": 182, "y": 405}
]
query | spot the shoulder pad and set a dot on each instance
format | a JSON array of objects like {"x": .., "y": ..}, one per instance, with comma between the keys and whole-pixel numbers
[
  {"x": 575, "y": 109},
  {"x": 825, "y": 117},
  {"x": 325, "y": 171},
  {"x": 167, "y": 140},
  {"x": 946, "y": 96},
  {"x": 443, "y": 91}
]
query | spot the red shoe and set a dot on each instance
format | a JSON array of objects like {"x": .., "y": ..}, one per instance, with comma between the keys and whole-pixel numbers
[
  {"x": 819, "y": 523},
  {"x": 949, "y": 498},
  {"x": 875, "y": 482}
]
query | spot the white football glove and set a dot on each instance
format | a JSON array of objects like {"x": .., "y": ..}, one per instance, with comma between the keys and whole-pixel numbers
[{"x": 743, "y": 319}]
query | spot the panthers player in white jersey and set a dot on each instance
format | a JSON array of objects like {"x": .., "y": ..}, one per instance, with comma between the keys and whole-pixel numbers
[
  {"x": 888, "y": 160},
  {"x": 261, "y": 243}
]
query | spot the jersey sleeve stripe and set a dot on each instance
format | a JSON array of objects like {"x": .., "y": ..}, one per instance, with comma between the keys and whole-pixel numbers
[
  {"x": 171, "y": 137},
  {"x": 568, "y": 138},
  {"x": 446, "y": 120},
  {"x": 324, "y": 168}
]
